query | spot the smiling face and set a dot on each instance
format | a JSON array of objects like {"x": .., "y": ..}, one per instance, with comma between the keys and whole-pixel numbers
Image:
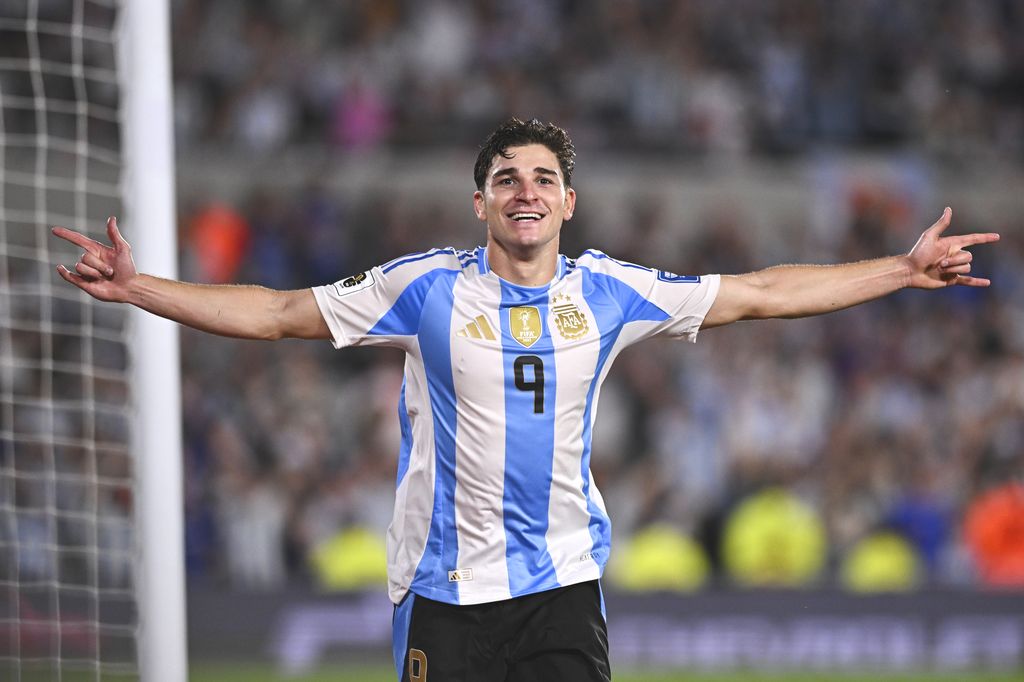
[{"x": 524, "y": 201}]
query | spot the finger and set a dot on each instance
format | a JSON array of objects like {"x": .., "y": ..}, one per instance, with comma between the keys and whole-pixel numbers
[
  {"x": 969, "y": 281},
  {"x": 977, "y": 238},
  {"x": 940, "y": 225},
  {"x": 957, "y": 269},
  {"x": 115, "y": 234},
  {"x": 88, "y": 272},
  {"x": 71, "y": 277},
  {"x": 97, "y": 264},
  {"x": 78, "y": 239},
  {"x": 958, "y": 258}
]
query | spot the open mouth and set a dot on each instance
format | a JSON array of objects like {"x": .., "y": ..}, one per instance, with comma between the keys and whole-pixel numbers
[{"x": 525, "y": 216}]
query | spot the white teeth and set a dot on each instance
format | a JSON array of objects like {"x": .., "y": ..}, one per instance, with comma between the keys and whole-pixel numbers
[{"x": 526, "y": 216}]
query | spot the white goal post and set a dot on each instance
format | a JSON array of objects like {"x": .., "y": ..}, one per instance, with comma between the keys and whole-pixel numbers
[{"x": 145, "y": 64}]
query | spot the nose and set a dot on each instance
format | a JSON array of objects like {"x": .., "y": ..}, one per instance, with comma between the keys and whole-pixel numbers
[{"x": 527, "y": 191}]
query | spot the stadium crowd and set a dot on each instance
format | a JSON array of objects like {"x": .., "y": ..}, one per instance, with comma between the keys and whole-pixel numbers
[
  {"x": 892, "y": 416},
  {"x": 763, "y": 76}
]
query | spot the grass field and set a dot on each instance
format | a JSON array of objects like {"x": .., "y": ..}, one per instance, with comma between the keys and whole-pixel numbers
[{"x": 244, "y": 673}]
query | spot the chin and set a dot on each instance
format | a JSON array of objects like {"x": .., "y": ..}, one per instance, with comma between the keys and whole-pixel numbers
[
  {"x": 524, "y": 240},
  {"x": 531, "y": 241}
]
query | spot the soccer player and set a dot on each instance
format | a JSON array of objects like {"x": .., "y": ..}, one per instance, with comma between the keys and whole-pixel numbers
[{"x": 499, "y": 535}]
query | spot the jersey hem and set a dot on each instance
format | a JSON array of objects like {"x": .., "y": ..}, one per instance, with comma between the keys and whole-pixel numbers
[{"x": 458, "y": 598}]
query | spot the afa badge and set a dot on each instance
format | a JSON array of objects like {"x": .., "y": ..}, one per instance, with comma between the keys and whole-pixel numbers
[
  {"x": 569, "y": 319},
  {"x": 525, "y": 325}
]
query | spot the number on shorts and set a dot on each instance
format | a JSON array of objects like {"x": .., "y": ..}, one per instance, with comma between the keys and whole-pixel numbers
[{"x": 417, "y": 666}]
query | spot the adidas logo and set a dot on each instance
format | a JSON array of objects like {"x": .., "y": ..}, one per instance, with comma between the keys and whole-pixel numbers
[
  {"x": 460, "y": 575},
  {"x": 479, "y": 328}
]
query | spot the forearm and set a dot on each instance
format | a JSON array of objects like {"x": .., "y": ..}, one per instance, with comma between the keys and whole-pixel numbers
[
  {"x": 241, "y": 311},
  {"x": 790, "y": 291}
]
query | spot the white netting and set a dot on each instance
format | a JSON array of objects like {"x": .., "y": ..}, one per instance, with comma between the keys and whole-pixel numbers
[{"x": 67, "y": 604}]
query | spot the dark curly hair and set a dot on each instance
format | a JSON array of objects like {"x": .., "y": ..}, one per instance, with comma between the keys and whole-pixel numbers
[{"x": 516, "y": 133}]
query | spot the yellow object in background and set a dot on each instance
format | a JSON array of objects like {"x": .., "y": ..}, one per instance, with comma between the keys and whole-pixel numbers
[
  {"x": 772, "y": 539},
  {"x": 881, "y": 562},
  {"x": 656, "y": 559},
  {"x": 355, "y": 558}
]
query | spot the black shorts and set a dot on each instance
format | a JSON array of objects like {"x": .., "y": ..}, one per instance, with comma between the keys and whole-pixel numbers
[{"x": 557, "y": 635}]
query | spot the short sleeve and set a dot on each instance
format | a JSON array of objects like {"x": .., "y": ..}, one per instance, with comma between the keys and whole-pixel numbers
[
  {"x": 686, "y": 300},
  {"x": 381, "y": 306},
  {"x": 652, "y": 302},
  {"x": 352, "y": 306}
]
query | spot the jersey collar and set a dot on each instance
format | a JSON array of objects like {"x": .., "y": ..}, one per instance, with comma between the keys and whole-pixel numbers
[{"x": 484, "y": 268}]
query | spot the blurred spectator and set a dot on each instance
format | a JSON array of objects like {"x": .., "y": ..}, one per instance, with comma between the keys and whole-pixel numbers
[
  {"x": 362, "y": 118},
  {"x": 995, "y": 533},
  {"x": 773, "y": 539},
  {"x": 881, "y": 562},
  {"x": 658, "y": 558},
  {"x": 218, "y": 240},
  {"x": 251, "y": 512}
]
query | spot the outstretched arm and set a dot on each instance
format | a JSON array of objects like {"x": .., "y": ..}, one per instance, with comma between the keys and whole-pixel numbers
[
  {"x": 250, "y": 312},
  {"x": 802, "y": 290}
]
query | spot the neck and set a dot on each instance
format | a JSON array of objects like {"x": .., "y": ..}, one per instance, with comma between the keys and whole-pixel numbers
[{"x": 533, "y": 268}]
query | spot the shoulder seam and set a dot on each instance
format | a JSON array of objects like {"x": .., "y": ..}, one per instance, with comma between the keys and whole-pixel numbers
[
  {"x": 601, "y": 256},
  {"x": 413, "y": 257}
]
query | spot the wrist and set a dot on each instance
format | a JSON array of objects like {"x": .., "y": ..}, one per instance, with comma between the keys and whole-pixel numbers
[
  {"x": 135, "y": 289},
  {"x": 905, "y": 271}
]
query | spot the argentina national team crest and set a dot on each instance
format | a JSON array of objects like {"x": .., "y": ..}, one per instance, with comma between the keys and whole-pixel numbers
[
  {"x": 569, "y": 319},
  {"x": 525, "y": 324}
]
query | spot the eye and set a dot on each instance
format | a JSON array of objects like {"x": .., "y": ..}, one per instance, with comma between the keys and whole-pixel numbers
[
  {"x": 546, "y": 181},
  {"x": 505, "y": 181}
]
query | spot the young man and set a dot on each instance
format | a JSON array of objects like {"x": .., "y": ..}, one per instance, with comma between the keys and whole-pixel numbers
[{"x": 499, "y": 536}]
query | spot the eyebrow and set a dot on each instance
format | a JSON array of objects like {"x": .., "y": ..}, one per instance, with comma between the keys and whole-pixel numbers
[{"x": 540, "y": 170}]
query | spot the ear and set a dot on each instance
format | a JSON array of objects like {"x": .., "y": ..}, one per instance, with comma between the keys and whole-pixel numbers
[
  {"x": 570, "y": 203},
  {"x": 478, "y": 206}
]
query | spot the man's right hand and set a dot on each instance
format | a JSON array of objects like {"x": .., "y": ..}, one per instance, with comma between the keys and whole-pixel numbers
[
  {"x": 245, "y": 312},
  {"x": 104, "y": 272}
]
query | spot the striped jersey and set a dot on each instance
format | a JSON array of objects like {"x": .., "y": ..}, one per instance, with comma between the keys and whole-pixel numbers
[{"x": 494, "y": 494}]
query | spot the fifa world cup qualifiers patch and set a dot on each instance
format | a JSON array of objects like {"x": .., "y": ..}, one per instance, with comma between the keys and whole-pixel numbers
[
  {"x": 354, "y": 283},
  {"x": 666, "y": 276}
]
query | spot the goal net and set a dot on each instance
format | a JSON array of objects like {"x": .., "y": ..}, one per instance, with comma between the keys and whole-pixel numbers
[{"x": 72, "y": 479}]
